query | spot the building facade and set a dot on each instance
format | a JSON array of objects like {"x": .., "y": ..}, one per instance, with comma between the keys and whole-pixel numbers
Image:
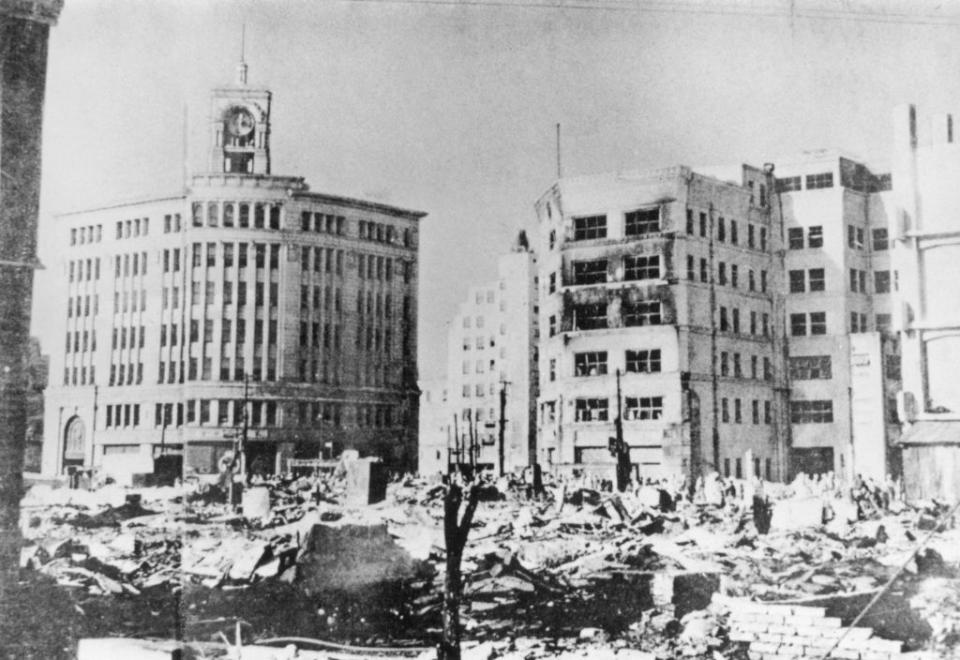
[
  {"x": 245, "y": 308},
  {"x": 659, "y": 305},
  {"x": 926, "y": 240},
  {"x": 491, "y": 376},
  {"x": 843, "y": 356}
]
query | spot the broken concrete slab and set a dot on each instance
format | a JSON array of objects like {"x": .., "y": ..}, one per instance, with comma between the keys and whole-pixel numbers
[{"x": 797, "y": 513}]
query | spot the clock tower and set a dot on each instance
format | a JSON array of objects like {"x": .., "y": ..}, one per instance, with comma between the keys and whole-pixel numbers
[{"x": 240, "y": 128}]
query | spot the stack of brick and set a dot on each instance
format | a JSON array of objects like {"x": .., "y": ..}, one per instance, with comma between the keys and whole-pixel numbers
[{"x": 782, "y": 632}]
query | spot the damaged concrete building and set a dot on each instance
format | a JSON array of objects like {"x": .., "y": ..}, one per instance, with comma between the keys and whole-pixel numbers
[
  {"x": 670, "y": 282},
  {"x": 245, "y": 305},
  {"x": 747, "y": 313}
]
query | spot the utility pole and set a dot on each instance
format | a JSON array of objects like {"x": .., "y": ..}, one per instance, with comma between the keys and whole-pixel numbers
[
  {"x": 244, "y": 472},
  {"x": 503, "y": 425},
  {"x": 619, "y": 448}
]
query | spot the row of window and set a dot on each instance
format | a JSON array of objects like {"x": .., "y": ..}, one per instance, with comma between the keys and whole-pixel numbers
[
  {"x": 78, "y": 375},
  {"x": 737, "y": 417},
  {"x": 722, "y": 274},
  {"x": 727, "y": 359},
  {"x": 753, "y": 233},
  {"x": 87, "y": 234},
  {"x": 202, "y": 369},
  {"x": 244, "y": 215},
  {"x": 811, "y": 412},
  {"x": 635, "y": 267},
  {"x": 132, "y": 228},
  {"x": 128, "y": 336},
  {"x": 130, "y": 264},
  {"x": 172, "y": 223},
  {"x": 817, "y": 325},
  {"x": 75, "y": 345},
  {"x": 323, "y": 223},
  {"x": 480, "y": 390},
  {"x": 122, "y": 415},
  {"x": 855, "y": 238},
  {"x": 326, "y": 298},
  {"x": 813, "y": 181},
  {"x": 634, "y": 408},
  {"x": 81, "y": 305},
  {"x": 594, "y": 363},
  {"x": 327, "y": 334},
  {"x": 324, "y": 260},
  {"x": 84, "y": 269},
  {"x": 813, "y": 279},
  {"x": 126, "y": 301},
  {"x": 374, "y": 267}
]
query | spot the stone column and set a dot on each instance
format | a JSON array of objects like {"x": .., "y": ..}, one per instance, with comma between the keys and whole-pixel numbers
[{"x": 24, "y": 30}]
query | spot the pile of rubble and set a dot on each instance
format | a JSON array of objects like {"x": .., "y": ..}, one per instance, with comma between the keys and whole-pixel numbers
[{"x": 574, "y": 569}]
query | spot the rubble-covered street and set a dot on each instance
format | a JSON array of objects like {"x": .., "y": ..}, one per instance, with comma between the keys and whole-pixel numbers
[{"x": 575, "y": 572}]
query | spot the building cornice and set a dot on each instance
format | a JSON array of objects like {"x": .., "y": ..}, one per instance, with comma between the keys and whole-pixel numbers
[{"x": 41, "y": 11}]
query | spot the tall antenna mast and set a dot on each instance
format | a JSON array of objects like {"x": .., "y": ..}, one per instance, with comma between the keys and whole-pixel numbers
[
  {"x": 559, "y": 165},
  {"x": 242, "y": 67}
]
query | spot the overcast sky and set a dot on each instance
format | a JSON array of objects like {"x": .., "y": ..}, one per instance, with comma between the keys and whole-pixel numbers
[{"x": 450, "y": 107}]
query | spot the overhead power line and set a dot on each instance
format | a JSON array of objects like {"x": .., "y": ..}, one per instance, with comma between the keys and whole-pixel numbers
[{"x": 930, "y": 15}]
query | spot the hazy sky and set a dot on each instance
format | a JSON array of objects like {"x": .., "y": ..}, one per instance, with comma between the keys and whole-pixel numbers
[{"x": 450, "y": 107}]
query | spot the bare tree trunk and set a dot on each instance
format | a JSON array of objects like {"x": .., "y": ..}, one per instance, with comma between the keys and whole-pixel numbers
[{"x": 456, "y": 530}]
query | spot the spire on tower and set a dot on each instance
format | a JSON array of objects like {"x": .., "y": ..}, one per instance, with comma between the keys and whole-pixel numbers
[{"x": 242, "y": 67}]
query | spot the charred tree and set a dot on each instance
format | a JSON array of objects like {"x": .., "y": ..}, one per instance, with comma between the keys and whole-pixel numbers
[{"x": 456, "y": 529}]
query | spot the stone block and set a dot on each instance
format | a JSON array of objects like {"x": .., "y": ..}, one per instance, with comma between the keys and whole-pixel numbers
[
  {"x": 127, "y": 648},
  {"x": 366, "y": 482}
]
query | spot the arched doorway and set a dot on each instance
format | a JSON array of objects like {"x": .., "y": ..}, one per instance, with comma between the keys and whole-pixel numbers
[{"x": 74, "y": 443}]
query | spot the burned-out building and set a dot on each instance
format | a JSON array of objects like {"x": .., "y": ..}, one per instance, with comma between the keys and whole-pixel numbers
[
  {"x": 243, "y": 307},
  {"x": 668, "y": 285}
]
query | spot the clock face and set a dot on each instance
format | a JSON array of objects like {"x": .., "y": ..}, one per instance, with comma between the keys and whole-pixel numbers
[{"x": 240, "y": 122}]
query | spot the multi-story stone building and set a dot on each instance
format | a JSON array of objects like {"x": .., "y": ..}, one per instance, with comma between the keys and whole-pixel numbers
[
  {"x": 246, "y": 306},
  {"x": 660, "y": 298},
  {"x": 844, "y": 360},
  {"x": 491, "y": 375}
]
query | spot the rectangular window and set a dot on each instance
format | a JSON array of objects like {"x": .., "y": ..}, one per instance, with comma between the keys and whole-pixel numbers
[
  {"x": 592, "y": 410},
  {"x": 823, "y": 180},
  {"x": 642, "y": 222},
  {"x": 881, "y": 281},
  {"x": 811, "y": 412},
  {"x": 643, "y": 407},
  {"x": 724, "y": 321},
  {"x": 734, "y": 275},
  {"x": 691, "y": 268},
  {"x": 643, "y": 313},
  {"x": 589, "y": 227},
  {"x": 725, "y": 411},
  {"x": 737, "y": 411},
  {"x": 810, "y": 367},
  {"x": 643, "y": 361},
  {"x": 815, "y": 237},
  {"x": 734, "y": 238},
  {"x": 593, "y": 363},
  {"x": 797, "y": 281},
  {"x": 589, "y": 316},
  {"x": 789, "y": 184},
  {"x": 880, "y": 239},
  {"x": 755, "y": 411},
  {"x": 724, "y": 363},
  {"x": 585, "y": 272},
  {"x": 704, "y": 277},
  {"x": 690, "y": 222},
  {"x": 818, "y": 323},
  {"x": 795, "y": 238},
  {"x": 767, "y": 412},
  {"x": 722, "y": 274},
  {"x": 884, "y": 321},
  {"x": 703, "y": 225},
  {"x": 763, "y": 281},
  {"x": 798, "y": 325},
  {"x": 817, "y": 279},
  {"x": 751, "y": 240},
  {"x": 721, "y": 230},
  {"x": 641, "y": 268},
  {"x": 763, "y": 238}
]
